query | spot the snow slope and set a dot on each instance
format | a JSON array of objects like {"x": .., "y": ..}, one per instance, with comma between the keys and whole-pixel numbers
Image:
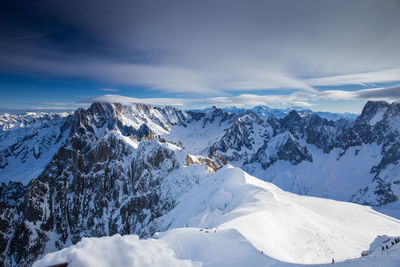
[
  {"x": 197, "y": 136},
  {"x": 285, "y": 226},
  {"x": 329, "y": 175},
  {"x": 233, "y": 219}
]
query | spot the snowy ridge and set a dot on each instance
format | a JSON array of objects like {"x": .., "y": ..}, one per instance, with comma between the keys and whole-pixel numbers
[
  {"x": 230, "y": 217},
  {"x": 285, "y": 226}
]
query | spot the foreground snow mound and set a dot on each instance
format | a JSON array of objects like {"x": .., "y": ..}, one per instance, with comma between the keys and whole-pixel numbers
[
  {"x": 172, "y": 248},
  {"x": 190, "y": 247},
  {"x": 376, "y": 256},
  {"x": 116, "y": 251},
  {"x": 233, "y": 219},
  {"x": 381, "y": 243},
  {"x": 283, "y": 225}
]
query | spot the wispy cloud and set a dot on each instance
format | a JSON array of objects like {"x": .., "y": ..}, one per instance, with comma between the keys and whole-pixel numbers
[
  {"x": 34, "y": 35},
  {"x": 389, "y": 94},
  {"x": 130, "y": 100},
  {"x": 253, "y": 100},
  {"x": 109, "y": 90},
  {"x": 49, "y": 108},
  {"x": 304, "y": 99},
  {"x": 240, "y": 100},
  {"x": 391, "y": 75},
  {"x": 30, "y": 36},
  {"x": 53, "y": 103}
]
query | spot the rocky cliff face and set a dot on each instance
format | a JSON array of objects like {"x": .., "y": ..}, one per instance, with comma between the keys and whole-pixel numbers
[
  {"x": 281, "y": 147},
  {"x": 103, "y": 180},
  {"x": 381, "y": 122},
  {"x": 260, "y": 143},
  {"x": 11, "y": 198},
  {"x": 242, "y": 139}
]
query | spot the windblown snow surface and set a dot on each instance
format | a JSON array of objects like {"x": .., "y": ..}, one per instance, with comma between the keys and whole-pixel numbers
[{"x": 233, "y": 219}]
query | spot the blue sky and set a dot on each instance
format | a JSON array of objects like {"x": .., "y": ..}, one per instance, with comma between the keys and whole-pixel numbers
[{"x": 323, "y": 55}]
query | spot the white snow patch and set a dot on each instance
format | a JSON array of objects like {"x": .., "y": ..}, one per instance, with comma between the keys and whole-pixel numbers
[
  {"x": 115, "y": 251},
  {"x": 285, "y": 226},
  {"x": 196, "y": 137},
  {"x": 328, "y": 176},
  {"x": 377, "y": 117}
]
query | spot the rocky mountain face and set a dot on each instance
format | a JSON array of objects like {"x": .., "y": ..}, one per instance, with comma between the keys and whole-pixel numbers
[
  {"x": 260, "y": 146},
  {"x": 116, "y": 168},
  {"x": 108, "y": 177},
  {"x": 242, "y": 139},
  {"x": 292, "y": 138},
  {"x": 377, "y": 125}
]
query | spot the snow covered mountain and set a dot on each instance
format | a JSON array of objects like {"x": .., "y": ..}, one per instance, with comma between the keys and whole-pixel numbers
[
  {"x": 343, "y": 160},
  {"x": 233, "y": 219},
  {"x": 108, "y": 177},
  {"x": 124, "y": 169},
  {"x": 28, "y": 142}
]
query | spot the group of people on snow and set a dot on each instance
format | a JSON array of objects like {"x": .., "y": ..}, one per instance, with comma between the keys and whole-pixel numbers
[{"x": 396, "y": 240}]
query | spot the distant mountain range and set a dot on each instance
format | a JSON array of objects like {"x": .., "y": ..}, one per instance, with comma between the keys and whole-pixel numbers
[{"x": 265, "y": 111}]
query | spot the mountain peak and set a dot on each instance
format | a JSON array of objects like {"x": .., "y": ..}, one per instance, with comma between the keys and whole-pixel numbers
[
  {"x": 292, "y": 118},
  {"x": 393, "y": 109},
  {"x": 373, "y": 111},
  {"x": 294, "y": 114},
  {"x": 103, "y": 108},
  {"x": 372, "y": 106}
]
